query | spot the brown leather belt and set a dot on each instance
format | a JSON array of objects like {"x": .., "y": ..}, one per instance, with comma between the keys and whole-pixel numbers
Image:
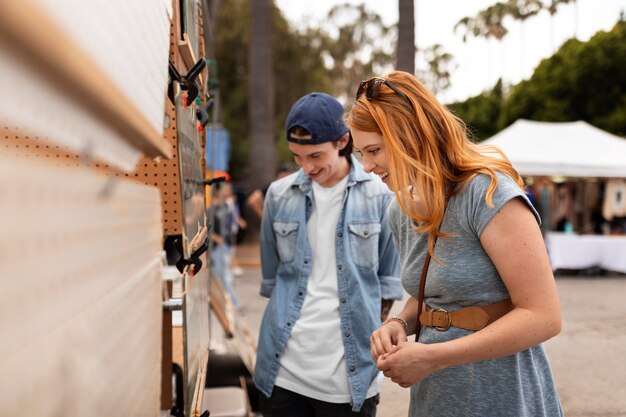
[{"x": 468, "y": 318}]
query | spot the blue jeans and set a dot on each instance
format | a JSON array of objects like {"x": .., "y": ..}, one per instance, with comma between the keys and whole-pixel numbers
[
  {"x": 221, "y": 258},
  {"x": 285, "y": 403}
]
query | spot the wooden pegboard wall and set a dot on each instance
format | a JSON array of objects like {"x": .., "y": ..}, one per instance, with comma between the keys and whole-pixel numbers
[
  {"x": 88, "y": 299},
  {"x": 163, "y": 174},
  {"x": 202, "y": 51}
]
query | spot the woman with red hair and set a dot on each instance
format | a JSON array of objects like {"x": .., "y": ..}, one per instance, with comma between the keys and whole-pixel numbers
[{"x": 489, "y": 296}]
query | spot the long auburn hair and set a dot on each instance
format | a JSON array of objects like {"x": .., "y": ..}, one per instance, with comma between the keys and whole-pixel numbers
[{"x": 428, "y": 148}]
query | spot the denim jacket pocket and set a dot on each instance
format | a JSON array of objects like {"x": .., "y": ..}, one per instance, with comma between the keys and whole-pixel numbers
[
  {"x": 364, "y": 243},
  {"x": 286, "y": 237}
]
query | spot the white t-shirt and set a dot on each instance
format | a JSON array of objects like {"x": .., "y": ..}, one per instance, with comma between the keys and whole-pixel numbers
[{"x": 313, "y": 364}]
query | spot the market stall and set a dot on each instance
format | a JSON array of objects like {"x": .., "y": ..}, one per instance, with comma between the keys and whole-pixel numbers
[{"x": 577, "y": 176}]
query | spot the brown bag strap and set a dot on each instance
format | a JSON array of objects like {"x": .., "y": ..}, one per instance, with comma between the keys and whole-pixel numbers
[{"x": 420, "y": 295}]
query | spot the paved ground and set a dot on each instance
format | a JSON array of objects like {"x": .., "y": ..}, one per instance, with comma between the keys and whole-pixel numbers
[{"x": 588, "y": 357}]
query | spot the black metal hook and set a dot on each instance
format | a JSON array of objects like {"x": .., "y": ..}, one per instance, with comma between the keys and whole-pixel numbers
[
  {"x": 187, "y": 82},
  {"x": 178, "y": 409},
  {"x": 194, "y": 259},
  {"x": 202, "y": 114},
  {"x": 213, "y": 181}
]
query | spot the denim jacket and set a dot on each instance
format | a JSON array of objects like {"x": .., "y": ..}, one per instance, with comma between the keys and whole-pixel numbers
[{"x": 367, "y": 271}]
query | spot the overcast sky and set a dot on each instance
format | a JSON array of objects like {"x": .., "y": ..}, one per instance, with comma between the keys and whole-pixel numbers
[{"x": 479, "y": 63}]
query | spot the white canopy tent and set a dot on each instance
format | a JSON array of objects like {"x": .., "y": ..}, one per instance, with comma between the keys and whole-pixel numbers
[{"x": 569, "y": 149}]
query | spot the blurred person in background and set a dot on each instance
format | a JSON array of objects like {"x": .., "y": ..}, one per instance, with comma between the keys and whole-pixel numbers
[
  {"x": 225, "y": 226},
  {"x": 257, "y": 197},
  {"x": 490, "y": 298}
]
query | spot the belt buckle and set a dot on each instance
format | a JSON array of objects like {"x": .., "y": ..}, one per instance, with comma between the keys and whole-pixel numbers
[{"x": 446, "y": 327}]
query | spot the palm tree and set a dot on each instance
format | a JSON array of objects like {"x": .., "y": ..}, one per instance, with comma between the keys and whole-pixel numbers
[
  {"x": 360, "y": 50},
  {"x": 437, "y": 77},
  {"x": 405, "y": 52},
  {"x": 261, "y": 94},
  {"x": 552, "y": 8},
  {"x": 470, "y": 25},
  {"x": 522, "y": 10},
  {"x": 493, "y": 21},
  {"x": 488, "y": 23}
]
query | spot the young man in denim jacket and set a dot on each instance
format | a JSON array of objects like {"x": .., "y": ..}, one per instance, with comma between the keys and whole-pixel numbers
[{"x": 329, "y": 265}]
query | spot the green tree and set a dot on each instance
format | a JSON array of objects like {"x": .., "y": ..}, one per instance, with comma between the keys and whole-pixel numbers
[
  {"x": 359, "y": 50},
  {"x": 480, "y": 113},
  {"x": 231, "y": 49},
  {"x": 299, "y": 70},
  {"x": 297, "y": 65},
  {"x": 582, "y": 81},
  {"x": 437, "y": 74}
]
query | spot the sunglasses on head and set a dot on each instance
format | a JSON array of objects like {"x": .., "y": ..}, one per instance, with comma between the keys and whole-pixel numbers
[{"x": 371, "y": 88}]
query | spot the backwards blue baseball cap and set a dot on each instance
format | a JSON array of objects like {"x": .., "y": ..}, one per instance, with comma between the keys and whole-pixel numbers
[{"x": 321, "y": 115}]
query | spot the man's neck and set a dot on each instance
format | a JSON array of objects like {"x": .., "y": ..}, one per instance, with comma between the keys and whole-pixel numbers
[{"x": 342, "y": 172}]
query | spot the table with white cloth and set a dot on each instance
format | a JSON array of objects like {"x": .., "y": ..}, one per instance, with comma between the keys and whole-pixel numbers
[{"x": 572, "y": 251}]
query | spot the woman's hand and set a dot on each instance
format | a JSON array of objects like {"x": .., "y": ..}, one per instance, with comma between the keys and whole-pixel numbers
[
  {"x": 407, "y": 364},
  {"x": 386, "y": 337}
]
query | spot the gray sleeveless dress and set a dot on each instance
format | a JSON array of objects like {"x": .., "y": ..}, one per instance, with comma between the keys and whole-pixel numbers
[{"x": 518, "y": 385}]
